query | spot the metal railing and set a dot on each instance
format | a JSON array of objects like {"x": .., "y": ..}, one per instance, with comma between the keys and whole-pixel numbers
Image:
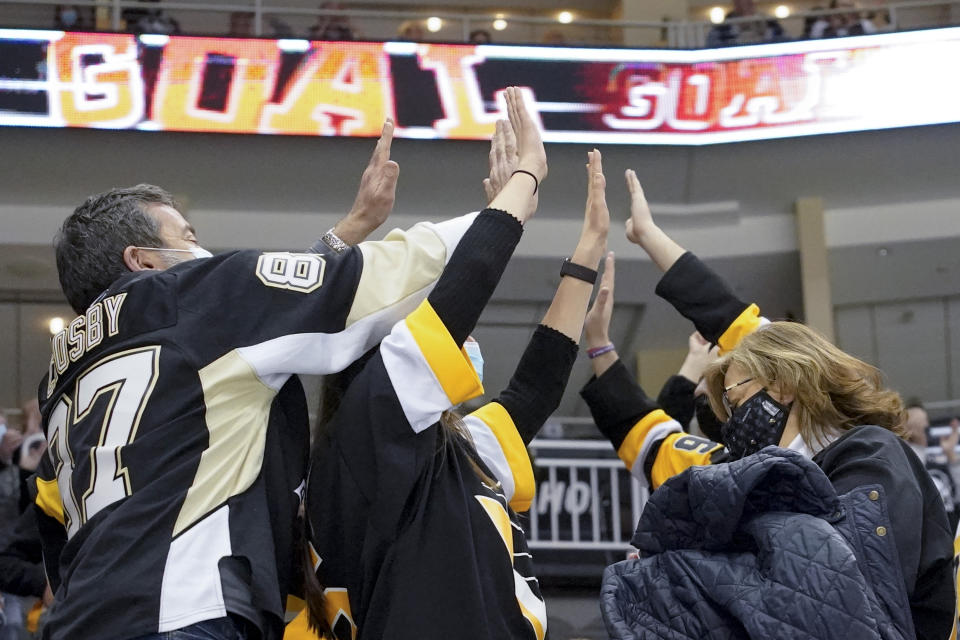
[
  {"x": 523, "y": 28},
  {"x": 586, "y": 498}
]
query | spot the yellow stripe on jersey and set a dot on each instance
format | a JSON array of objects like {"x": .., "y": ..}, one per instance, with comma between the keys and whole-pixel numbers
[
  {"x": 48, "y": 499},
  {"x": 633, "y": 443},
  {"x": 299, "y": 629},
  {"x": 401, "y": 264},
  {"x": 495, "y": 416},
  {"x": 531, "y": 606},
  {"x": 449, "y": 363},
  {"x": 678, "y": 452},
  {"x": 745, "y": 324}
]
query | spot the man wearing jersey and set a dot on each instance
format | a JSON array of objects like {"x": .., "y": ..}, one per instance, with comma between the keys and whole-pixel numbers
[{"x": 176, "y": 431}]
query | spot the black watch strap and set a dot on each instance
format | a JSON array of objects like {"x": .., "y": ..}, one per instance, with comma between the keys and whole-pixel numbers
[{"x": 577, "y": 271}]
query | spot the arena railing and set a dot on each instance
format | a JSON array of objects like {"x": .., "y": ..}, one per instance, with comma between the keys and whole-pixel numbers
[
  {"x": 586, "y": 498},
  {"x": 379, "y": 24}
]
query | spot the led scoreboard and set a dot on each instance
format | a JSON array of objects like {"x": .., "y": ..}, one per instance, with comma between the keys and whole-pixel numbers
[{"x": 623, "y": 96}]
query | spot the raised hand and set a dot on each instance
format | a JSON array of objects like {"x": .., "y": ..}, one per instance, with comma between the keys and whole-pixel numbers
[
  {"x": 596, "y": 217},
  {"x": 518, "y": 196},
  {"x": 642, "y": 230},
  {"x": 503, "y": 159},
  {"x": 641, "y": 220},
  {"x": 377, "y": 193},
  {"x": 597, "y": 325},
  {"x": 531, "y": 154},
  {"x": 699, "y": 354}
]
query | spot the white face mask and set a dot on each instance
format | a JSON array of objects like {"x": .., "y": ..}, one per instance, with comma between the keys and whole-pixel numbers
[{"x": 196, "y": 252}]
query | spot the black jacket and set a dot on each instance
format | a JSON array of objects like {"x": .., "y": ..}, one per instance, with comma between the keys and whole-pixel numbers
[{"x": 762, "y": 547}]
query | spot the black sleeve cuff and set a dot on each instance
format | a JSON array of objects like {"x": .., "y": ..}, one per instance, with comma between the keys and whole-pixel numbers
[
  {"x": 676, "y": 398},
  {"x": 538, "y": 383},
  {"x": 616, "y": 402},
  {"x": 474, "y": 270},
  {"x": 701, "y": 296}
]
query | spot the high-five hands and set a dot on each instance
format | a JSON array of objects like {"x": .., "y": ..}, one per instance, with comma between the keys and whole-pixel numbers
[
  {"x": 520, "y": 186},
  {"x": 376, "y": 195}
]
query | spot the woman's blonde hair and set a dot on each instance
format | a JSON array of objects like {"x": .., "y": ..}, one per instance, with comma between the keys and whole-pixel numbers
[{"x": 833, "y": 391}]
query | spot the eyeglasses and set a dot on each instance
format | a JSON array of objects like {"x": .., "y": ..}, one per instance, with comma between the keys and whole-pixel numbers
[{"x": 726, "y": 399}]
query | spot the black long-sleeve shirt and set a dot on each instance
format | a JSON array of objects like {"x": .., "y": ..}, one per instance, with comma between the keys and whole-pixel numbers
[{"x": 414, "y": 526}]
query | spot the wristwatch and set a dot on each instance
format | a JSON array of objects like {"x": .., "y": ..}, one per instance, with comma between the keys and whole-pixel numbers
[{"x": 577, "y": 271}]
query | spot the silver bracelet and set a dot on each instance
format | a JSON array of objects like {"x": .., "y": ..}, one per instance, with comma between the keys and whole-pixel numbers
[{"x": 334, "y": 242}]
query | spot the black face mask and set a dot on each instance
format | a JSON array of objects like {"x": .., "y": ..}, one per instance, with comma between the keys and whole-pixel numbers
[
  {"x": 707, "y": 419},
  {"x": 757, "y": 423}
]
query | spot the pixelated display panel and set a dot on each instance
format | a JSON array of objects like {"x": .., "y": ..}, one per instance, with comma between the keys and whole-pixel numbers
[{"x": 623, "y": 96}]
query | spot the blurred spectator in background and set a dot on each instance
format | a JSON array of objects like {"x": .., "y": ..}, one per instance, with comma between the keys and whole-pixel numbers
[
  {"x": 150, "y": 21},
  {"x": 943, "y": 465},
  {"x": 411, "y": 30},
  {"x": 762, "y": 29},
  {"x": 480, "y": 36},
  {"x": 332, "y": 27},
  {"x": 279, "y": 28},
  {"x": 241, "y": 24},
  {"x": 811, "y": 24},
  {"x": 841, "y": 24},
  {"x": 69, "y": 17},
  {"x": 11, "y": 439}
]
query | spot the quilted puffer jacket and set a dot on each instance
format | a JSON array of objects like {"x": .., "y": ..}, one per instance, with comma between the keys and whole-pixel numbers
[{"x": 759, "y": 548}]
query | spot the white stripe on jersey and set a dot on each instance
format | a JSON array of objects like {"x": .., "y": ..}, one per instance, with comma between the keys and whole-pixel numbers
[
  {"x": 491, "y": 453},
  {"x": 190, "y": 591},
  {"x": 420, "y": 394}
]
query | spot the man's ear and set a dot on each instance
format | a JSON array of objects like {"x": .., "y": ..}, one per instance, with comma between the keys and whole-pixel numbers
[{"x": 138, "y": 260}]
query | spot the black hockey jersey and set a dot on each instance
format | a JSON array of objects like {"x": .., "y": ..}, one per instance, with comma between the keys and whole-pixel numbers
[
  {"x": 157, "y": 405},
  {"x": 415, "y": 528},
  {"x": 411, "y": 542}
]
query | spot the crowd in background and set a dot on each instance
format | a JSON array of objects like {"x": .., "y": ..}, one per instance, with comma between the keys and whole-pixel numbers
[{"x": 743, "y": 25}]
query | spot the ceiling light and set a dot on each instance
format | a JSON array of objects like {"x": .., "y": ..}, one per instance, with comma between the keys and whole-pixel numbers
[
  {"x": 565, "y": 17},
  {"x": 717, "y": 14},
  {"x": 499, "y": 24},
  {"x": 434, "y": 24},
  {"x": 56, "y": 325},
  {"x": 782, "y": 11}
]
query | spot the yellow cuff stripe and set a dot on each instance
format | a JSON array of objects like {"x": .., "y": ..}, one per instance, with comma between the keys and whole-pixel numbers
[
  {"x": 48, "y": 499},
  {"x": 745, "y": 324},
  {"x": 679, "y": 452},
  {"x": 495, "y": 416},
  {"x": 633, "y": 443},
  {"x": 449, "y": 363}
]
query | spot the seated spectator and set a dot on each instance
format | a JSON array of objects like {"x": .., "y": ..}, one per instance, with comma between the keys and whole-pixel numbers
[
  {"x": 332, "y": 27},
  {"x": 480, "y": 36},
  {"x": 69, "y": 18},
  {"x": 241, "y": 24},
  {"x": 150, "y": 21},
  {"x": 763, "y": 29},
  {"x": 842, "y": 24},
  {"x": 411, "y": 30}
]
